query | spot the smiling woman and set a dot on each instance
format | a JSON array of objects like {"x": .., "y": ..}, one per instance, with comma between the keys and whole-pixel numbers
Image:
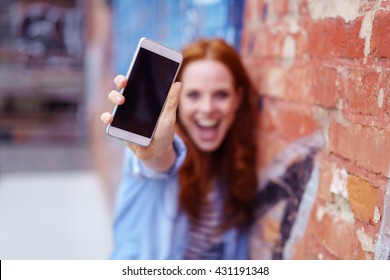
[
  {"x": 193, "y": 197},
  {"x": 218, "y": 126}
]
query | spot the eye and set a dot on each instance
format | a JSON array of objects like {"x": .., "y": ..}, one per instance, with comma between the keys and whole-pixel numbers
[
  {"x": 222, "y": 94},
  {"x": 192, "y": 94}
]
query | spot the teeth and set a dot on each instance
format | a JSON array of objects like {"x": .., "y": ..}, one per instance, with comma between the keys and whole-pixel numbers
[{"x": 207, "y": 122}]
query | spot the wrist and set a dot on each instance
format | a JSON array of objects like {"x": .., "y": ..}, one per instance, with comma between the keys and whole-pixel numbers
[{"x": 163, "y": 162}]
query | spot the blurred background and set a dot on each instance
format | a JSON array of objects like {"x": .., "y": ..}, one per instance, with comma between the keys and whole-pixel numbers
[
  {"x": 58, "y": 169},
  {"x": 322, "y": 72}
]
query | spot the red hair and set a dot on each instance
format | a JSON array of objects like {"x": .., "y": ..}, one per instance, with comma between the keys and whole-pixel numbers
[{"x": 233, "y": 164}]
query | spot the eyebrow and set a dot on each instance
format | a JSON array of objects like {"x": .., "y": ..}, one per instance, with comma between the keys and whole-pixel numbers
[{"x": 224, "y": 86}]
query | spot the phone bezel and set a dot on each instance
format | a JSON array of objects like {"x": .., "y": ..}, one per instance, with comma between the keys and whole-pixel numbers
[{"x": 160, "y": 50}]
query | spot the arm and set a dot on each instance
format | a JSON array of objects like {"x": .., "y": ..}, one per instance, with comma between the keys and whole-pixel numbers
[{"x": 145, "y": 198}]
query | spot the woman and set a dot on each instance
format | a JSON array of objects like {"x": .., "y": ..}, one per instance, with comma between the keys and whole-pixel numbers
[{"x": 190, "y": 193}]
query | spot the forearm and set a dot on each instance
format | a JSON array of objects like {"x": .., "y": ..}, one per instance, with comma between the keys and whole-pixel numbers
[{"x": 162, "y": 163}]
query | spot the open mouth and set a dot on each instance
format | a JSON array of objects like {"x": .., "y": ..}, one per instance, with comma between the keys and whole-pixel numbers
[
  {"x": 207, "y": 129},
  {"x": 207, "y": 123}
]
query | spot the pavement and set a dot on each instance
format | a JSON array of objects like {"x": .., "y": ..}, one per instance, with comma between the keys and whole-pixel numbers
[{"x": 53, "y": 204}]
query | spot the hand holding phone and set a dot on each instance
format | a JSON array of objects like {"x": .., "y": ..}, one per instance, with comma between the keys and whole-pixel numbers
[
  {"x": 151, "y": 73},
  {"x": 159, "y": 155}
]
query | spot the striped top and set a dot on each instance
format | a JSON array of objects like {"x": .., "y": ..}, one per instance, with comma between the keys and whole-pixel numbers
[{"x": 205, "y": 243}]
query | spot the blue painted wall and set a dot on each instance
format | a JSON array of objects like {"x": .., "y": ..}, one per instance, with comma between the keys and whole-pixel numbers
[{"x": 173, "y": 23}]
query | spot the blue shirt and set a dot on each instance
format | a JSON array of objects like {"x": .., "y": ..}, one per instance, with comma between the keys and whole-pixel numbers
[{"x": 148, "y": 223}]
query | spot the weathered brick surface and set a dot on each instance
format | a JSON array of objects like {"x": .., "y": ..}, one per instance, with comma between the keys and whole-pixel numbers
[
  {"x": 328, "y": 73},
  {"x": 336, "y": 236},
  {"x": 361, "y": 90},
  {"x": 300, "y": 92},
  {"x": 290, "y": 121},
  {"x": 325, "y": 87},
  {"x": 368, "y": 147},
  {"x": 381, "y": 34},
  {"x": 333, "y": 38}
]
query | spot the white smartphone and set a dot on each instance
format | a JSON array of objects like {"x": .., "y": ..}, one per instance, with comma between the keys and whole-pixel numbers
[{"x": 151, "y": 73}]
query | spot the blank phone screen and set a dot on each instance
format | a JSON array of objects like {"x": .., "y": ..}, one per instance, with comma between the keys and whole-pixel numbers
[{"x": 145, "y": 93}]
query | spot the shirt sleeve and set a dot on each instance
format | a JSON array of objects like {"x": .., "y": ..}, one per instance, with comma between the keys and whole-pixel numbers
[{"x": 139, "y": 169}]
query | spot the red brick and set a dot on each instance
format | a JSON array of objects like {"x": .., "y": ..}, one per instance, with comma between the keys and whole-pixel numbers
[
  {"x": 324, "y": 88},
  {"x": 380, "y": 38},
  {"x": 361, "y": 89},
  {"x": 302, "y": 83},
  {"x": 336, "y": 235},
  {"x": 334, "y": 38},
  {"x": 363, "y": 197},
  {"x": 296, "y": 122},
  {"x": 299, "y": 83},
  {"x": 308, "y": 248},
  {"x": 368, "y": 147},
  {"x": 314, "y": 245},
  {"x": 290, "y": 121}
]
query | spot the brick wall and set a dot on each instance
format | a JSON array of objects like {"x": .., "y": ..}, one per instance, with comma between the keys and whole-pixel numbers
[{"x": 323, "y": 66}]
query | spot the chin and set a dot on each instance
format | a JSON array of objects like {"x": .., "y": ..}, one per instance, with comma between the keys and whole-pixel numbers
[{"x": 208, "y": 147}]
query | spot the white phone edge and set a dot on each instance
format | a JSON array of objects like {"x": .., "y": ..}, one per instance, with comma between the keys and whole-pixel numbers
[{"x": 158, "y": 49}]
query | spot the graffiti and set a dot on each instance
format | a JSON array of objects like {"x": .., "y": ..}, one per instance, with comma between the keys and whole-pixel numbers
[
  {"x": 285, "y": 199},
  {"x": 46, "y": 35},
  {"x": 286, "y": 194}
]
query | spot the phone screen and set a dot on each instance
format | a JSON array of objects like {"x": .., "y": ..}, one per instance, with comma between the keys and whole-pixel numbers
[{"x": 145, "y": 93}]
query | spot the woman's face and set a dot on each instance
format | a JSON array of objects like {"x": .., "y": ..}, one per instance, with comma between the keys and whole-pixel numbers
[{"x": 208, "y": 103}]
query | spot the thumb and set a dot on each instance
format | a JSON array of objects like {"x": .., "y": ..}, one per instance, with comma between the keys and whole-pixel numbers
[{"x": 173, "y": 99}]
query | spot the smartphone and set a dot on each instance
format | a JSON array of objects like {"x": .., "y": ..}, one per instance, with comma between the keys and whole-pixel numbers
[{"x": 151, "y": 73}]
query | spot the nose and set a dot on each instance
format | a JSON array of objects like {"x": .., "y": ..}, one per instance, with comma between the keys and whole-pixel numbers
[{"x": 207, "y": 105}]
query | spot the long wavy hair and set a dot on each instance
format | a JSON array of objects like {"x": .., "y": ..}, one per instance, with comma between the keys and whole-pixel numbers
[{"x": 233, "y": 164}]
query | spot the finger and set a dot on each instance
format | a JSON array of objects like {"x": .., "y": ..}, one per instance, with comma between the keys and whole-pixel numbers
[
  {"x": 116, "y": 98},
  {"x": 173, "y": 98},
  {"x": 120, "y": 81},
  {"x": 168, "y": 115},
  {"x": 106, "y": 118}
]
